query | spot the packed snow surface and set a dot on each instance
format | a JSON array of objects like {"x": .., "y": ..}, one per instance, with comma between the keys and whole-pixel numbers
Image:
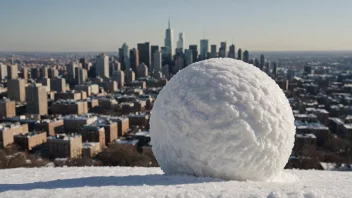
[
  {"x": 222, "y": 118},
  {"x": 151, "y": 182}
]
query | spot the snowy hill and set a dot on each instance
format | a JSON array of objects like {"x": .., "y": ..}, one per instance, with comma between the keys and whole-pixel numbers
[{"x": 150, "y": 182}]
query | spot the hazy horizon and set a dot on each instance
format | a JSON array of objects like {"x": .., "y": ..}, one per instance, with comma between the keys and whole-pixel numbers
[{"x": 92, "y": 26}]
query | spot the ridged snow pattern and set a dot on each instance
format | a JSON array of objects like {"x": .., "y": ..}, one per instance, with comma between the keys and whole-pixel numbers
[{"x": 222, "y": 118}]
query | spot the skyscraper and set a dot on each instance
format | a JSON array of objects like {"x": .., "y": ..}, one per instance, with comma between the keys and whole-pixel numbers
[
  {"x": 71, "y": 75},
  {"x": 157, "y": 63},
  {"x": 213, "y": 51},
  {"x": 194, "y": 49},
  {"x": 204, "y": 49},
  {"x": 144, "y": 53},
  {"x": 274, "y": 72},
  {"x": 181, "y": 41},
  {"x": 239, "y": 54},
  {"x": 232, "y": 51},
  {"x": 81, "y": 75},
  {"x": 134, "y": 59},
  {"x": 246, "y": 56},
  {"x": 168, "y": 42},
  {"x": 262, "y": 62},
  {"x": 102, "y": 66},
  {"x": 223, "y": 50},
  {"x": 37, "y": 99},
  {"x": 142, "y": 70},
  {"x": 123, "y": 57},
  {"x": 188, "y": 57},
  {"x": 24, "y": 73},
  {"x": 153, "y": 49}
]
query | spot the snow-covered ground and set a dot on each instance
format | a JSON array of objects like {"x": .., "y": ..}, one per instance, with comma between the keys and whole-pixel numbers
[{"x": 150, "y": 182}]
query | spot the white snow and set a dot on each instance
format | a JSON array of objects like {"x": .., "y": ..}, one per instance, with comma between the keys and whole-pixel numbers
[
  {"x": 151, "y": 182},
  {"x": 222, "y": 118}
]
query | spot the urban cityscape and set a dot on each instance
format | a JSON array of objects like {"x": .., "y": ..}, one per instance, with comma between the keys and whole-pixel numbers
[{"x": 94, "y": 108}]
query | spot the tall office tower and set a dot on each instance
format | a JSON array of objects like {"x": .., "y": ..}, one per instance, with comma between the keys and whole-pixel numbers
[
  {"x": 24, "y": 73},
  {"x": 53, "y": 72},
  {"x": 262, "y": 62},
  {"x": 58, "y": 85},
  {"x": 246, "y": 56},
  {"x": 274, "y": 72},
  {"x": 239, "y": 54},
  {"x": 188, "y": 57},
  {"x": 166, "y": 71},
  {"x": 16, "y": 89},
  {"x": 35, "y": 73},
  {"x": 3, "y": 71},
  {"x": 194, "y": 49},
  {"x": 114, "y": 66},
  {"x": 179, "y": 64},
  {"x": 257, "y": 63},
  {"x": 119, "y": 77},
  {"x": 142, "y": 71},
  {"x": 71, "y": 75},
  {"x": 44, "y": 72},
  {"x": 144, "y": 53},
  {"x": 156, "y": 68},
  {"x": 213, "y": 51},
  {"x": 223, "y": 50},
  {"x": 181, "y": 41},
  {"x": 204, "y": 49},
  {"x": 267, "y": 67},
  {"x": 232, "y": 51},
  {"x": 37, "y": 99},
  {"x": 130, "y": 76},
  {"x": 81, "y": 75},
  {"x": 168, "y": 42},
  {"x": 153, "y": 49},
  {"x": 123, "y": 57},
  {"x": 134, "y": 59},
  {"x": 102, "y": 66},
  {"x": 84, "y": 63},
  {"x": 12, "y": 71}
]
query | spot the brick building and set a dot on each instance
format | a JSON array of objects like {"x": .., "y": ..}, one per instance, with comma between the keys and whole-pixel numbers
[
  {"x": 9, "y": 130},
  {"x": 74, "y": 123},
  {"x": 93, "y": 133},
  {"x": 66, "y": 107},
  {"x": 29, "y": 141},
  {"x": 90, "y": 149},
  {"x": 7, "y": 108},
  {"x": 51, "y": 127},
  {"x": 65, "y": 146}
]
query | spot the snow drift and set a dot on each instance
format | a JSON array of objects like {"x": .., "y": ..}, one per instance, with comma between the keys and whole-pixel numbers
[{"x": 222, "y": 118}]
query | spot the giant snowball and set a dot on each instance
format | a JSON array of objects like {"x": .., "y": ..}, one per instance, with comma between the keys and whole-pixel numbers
[{"x": 222, "y": 118}]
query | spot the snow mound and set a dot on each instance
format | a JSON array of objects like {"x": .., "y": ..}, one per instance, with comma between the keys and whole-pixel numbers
[
  {"x": 140, "y": 182},
  {"x": 222, "y": 118}
]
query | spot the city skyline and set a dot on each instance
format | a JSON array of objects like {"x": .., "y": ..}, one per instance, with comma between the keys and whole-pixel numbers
[{"x": 90, "y": 26}]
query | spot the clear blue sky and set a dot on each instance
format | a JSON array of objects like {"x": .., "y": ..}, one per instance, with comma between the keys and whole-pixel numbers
[{"x": 103, "y": 25}]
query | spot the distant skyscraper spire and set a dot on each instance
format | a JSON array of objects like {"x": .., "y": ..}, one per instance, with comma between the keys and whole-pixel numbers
[{"x": 169, "y": 23}]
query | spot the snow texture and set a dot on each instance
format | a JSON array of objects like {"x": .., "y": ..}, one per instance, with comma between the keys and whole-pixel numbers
[
  {"x": 222, "y": 118},
  {"x": 151, "y": 182}
]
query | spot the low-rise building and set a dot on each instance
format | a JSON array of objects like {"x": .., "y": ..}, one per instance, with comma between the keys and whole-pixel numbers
[
  {"x": 141, "y": 120},
  {"x": 51, "y": 126},
  {"x": 66, "y": 107},
  {"x": 65, "y": 146},
  {"x": 29, "y": 141},
  {"x": 93, "y": 133},
  {"x": 7, "y": 108},
  {"x": 69, "y": 95},
  {"x": 74, "y": 123},
  {"x": 9, "y": 130},
  {"x": 91, "y": 149}
]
